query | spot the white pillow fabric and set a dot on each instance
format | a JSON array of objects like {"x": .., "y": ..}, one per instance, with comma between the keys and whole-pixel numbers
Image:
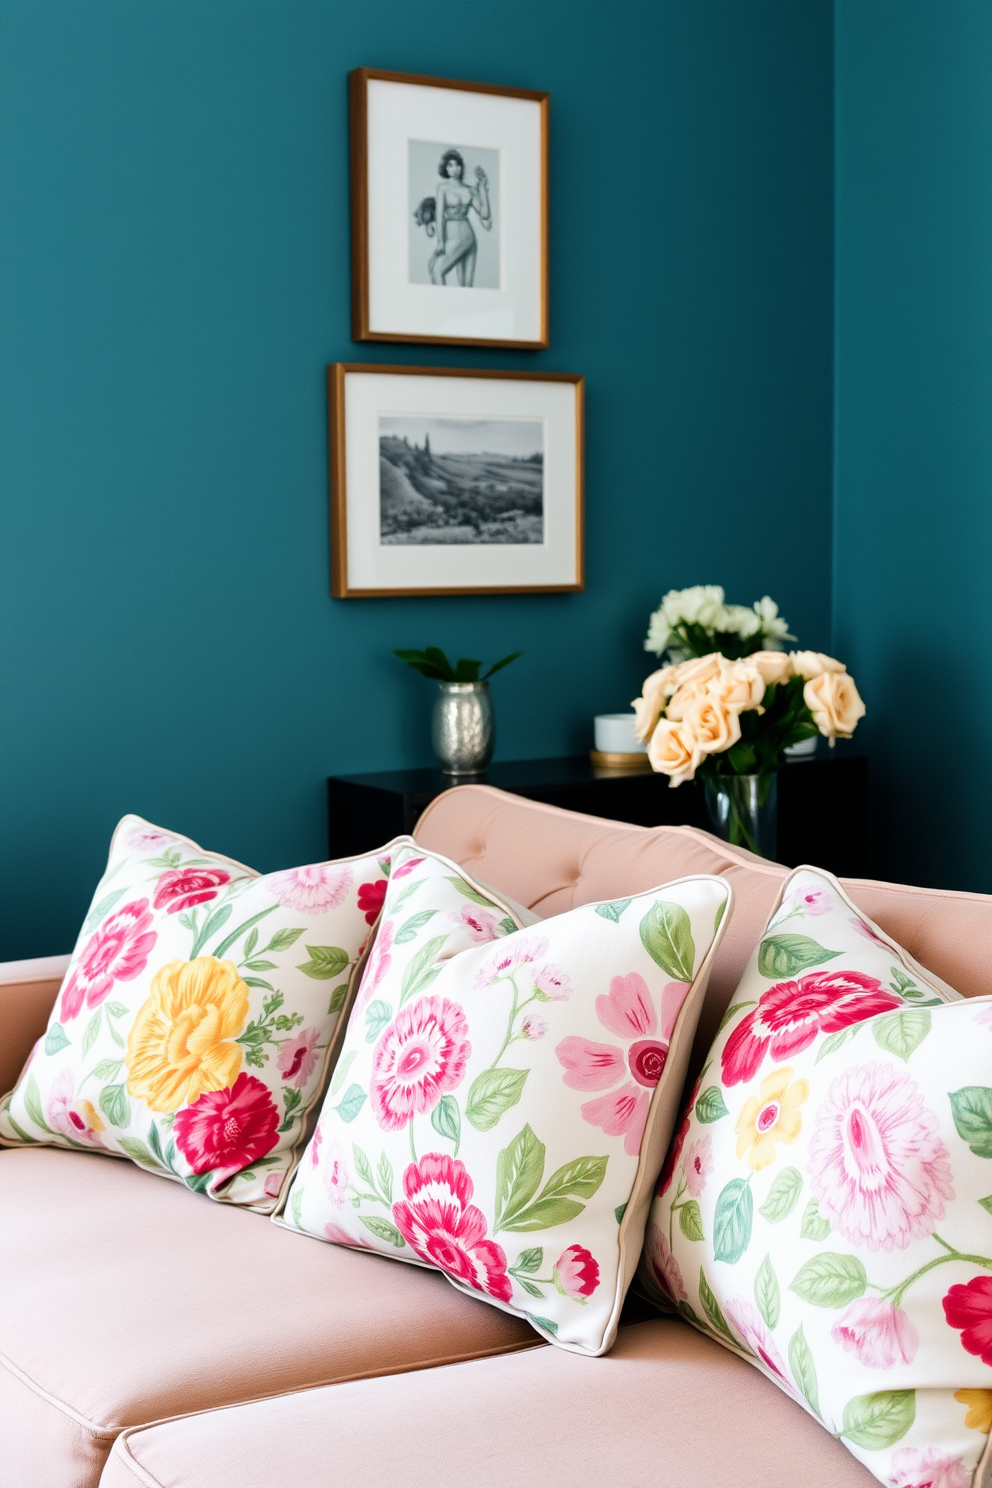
[
  {"x": 196, "y": 1021},
  {"x": 500, "y": 1110},
  {"x": 826, "y": 1208}
]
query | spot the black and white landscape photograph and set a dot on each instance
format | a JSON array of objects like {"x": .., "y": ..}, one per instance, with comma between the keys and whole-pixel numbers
[{"x": 460, "y": 480}]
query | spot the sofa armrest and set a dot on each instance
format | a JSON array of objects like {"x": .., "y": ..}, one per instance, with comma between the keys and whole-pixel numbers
[{"x": 28, "y": 990}]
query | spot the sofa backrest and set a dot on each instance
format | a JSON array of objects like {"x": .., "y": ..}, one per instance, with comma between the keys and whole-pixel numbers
[{"x": 553, "y": 860}]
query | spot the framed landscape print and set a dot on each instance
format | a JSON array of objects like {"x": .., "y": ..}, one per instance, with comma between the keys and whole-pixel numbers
[
  {"x": 449, "y": 211},
  {"x": 451, "y": 481}
]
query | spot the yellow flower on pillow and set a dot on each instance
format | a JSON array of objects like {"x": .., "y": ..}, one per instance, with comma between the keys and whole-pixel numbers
[
  {"x": 181, "y": 1044},
  {"x": 770, "y": 1116},
  {"x": 979, "y": 1403}
]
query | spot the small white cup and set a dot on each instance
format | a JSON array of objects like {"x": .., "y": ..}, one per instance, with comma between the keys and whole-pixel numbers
[{"x": 614, "y": 733}]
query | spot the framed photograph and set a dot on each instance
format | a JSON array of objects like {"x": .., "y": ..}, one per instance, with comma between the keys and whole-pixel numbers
[
  {"x": 449, "y": 211},
  {"x": 449, "y": 481}
]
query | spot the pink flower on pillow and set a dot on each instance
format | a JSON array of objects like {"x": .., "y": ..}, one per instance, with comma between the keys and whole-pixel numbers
[
  {"x": 577, "y": 1273},
  {"x": 312, "y": 890},
  {"x": 117, "y": 952},
  {"x": 969, "y": 1306},
  {"x": 184, "y": 888},
  {"x": 378, "y": 965},
  {"x": 757, "y": 1340},
  {"x": 876, "y": 1161},
  {"x": 371, "y": 897},
  {"x": 407, "y": 866},
  {"x": 664, "y": 1266},
  {"x": 984, "y": 1015},
  {"x": 480, "y": 923},
  {"x": 437, "y": 1220},
  {"x": 520, "y": 952},
  {"x": 225, "y": 1130},
  {"x": 791, "y": 1014},
  {"x": 868, "y": 933},
  {"x": 297, "y": 1057},
  {"x": 336, "y": 1174},
  {"x": 629, "y": 1013},
  {"x": 420, "y": 1057},
  {"x": 912, "y": 1468},
  {"x": 877, "y": 1333},
  {"x": 698, "y": 1166}
]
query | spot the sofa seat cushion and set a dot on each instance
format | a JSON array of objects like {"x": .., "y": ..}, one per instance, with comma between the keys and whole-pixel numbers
[
  {"x": 666, "y": 1407},
  {"x": 124, "y": 1300}
]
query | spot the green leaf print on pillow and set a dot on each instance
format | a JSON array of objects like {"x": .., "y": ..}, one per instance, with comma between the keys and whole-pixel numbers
[
  {"x": 783, "y": 955},
  {"x": 666, "y": 934}
]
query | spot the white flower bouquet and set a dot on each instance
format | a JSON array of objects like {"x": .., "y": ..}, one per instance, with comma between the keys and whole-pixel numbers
[{"x": 727, "y": 703}]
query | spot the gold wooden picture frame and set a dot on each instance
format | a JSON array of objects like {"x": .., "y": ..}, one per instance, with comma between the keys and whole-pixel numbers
[
  {"x": 455, "y": 481},
  {"x": 449, "y": 211}
]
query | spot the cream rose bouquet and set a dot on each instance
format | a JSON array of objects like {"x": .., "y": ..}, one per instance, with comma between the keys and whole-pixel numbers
[{"x": 697, "y": 621}]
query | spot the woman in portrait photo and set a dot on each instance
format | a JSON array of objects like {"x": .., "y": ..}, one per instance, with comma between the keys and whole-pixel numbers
[{"x": 446, "y": 215}]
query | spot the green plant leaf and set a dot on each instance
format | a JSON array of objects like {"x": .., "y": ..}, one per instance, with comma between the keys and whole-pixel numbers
[
  {"x": 362, "y": 1165},
  {"x": 115, "y": 1035},
  {"x": 519, "y": 1170},
  {"x": 529, "y": 1288},
  {"x": 408, "y": 930},
  {"x": 837, "y": 1040},
  {"x": 803, "y": 1369},
  {"x": 504, "y": 661},
  {"x": 281, "y": 941},
  {"x": 986, "y": 1204},
  {"x": 383, "y": 1230},
  {"x": 251, "y": 942},
  {"x": 581, "y": 1177},
  {"x": 492, "y": 1093},
  {"x": 785, "y": 955},
  {"x": 508, "y": 926},
  {"x": 92, "y": 1030},
  {"x": 666, "y": 933},
  {"x": 691, "y": 1220},
  {"x": 32, "y": 1104},
  {"x": 351, "y": 1103},
  {"x": 732, "y": 1012},
  {"x": 470, "y": 893},
  {"x": 337, "y": 998},
  {"x": 198, "y": 1182},
  {"x": 296, "y": 1207},
  {"x": 214, "y": 922},
  {"x": 138, "y": 1152},
  {"x": 711, "y": 1308},
  {"x": 612, "y": 911},
  {"x": 732, "y": 1221},
  {"x": 56, "y": 1039},
  {"x": 385, "y": 1171},
  {"x": 261, "y": 965},
  {"x": 544, "y": 1214},
  {"x": 326, "y": 962},
  {"x": 814, "y": 1226},
  {"x": 377, "y": 1015},
  {"x": 830, "y": 1280},
  {"x": 530, "y": 1260},
  {"x": 101, "y": 909},
  {"x": 545, "y": 1323},
  {"x": 107, "y": 1069},
  {"x": 619, "y": 1212},
  {"x": 879, "y": 1420},
  {"x": 901, "y": 1033},
  {"x": 972, "y": 1109},
  {"x": 446, "y": 1118},
  {"x": 688, "y": 1314},
  {"x": 711, "y": 1106},
  {"x": 114, "y": 1104},
  {"x": 422, "y": 970},
  {"x": 782, "y": 1196},
  {"x": 258, "y": 982},
  {"x": 341, "y": 1070},
  {"x": 767, "y": 1294},
  {"x": 221, "y": 950},
  {"x": 155, "y": 1144},
  {"x": 116, "y": 1009}
]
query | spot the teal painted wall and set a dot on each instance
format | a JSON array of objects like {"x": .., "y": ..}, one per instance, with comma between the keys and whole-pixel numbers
[
  {"x": 173, "y": 279},
  {"x": 913, "y": 535}
]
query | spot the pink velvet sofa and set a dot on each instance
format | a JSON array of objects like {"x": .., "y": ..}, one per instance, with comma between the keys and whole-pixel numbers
[{"x": 150, "y": 1336}]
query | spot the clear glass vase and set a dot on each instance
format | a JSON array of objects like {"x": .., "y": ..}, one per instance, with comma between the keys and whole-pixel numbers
[{"x": 743, "y": 809}]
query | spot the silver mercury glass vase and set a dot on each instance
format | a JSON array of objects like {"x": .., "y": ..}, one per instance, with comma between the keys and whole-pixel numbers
[{"x": 463, "y": 731}]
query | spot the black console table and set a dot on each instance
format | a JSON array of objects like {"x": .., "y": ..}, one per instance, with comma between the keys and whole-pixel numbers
[{"x": 822, "y": 803}]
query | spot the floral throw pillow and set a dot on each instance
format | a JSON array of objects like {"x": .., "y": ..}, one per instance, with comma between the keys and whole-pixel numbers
[
  {"x": 500, "y": 1110},
  {"x": 826, "y": 1208},
  {"x": 196, "y": 1021}
]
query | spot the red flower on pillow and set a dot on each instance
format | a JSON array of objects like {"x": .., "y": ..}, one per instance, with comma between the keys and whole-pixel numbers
[
  {"x": 791, "y": 1014},
  {"x": 969, "y": 1307},
  {"x": 438, "y": 1221},
  {"x": 225, "y": 1130},
  {"x": 183, "y": 888},
  {"x": 370, "y": 899},
  {"x": 117, "y": 952}
]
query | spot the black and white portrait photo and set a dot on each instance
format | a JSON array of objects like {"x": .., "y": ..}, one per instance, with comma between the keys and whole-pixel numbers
[
  {"x": 460, "y": 480},
  {"x": 449, "y": 191},
  {"x": 454, "y": 215}
]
